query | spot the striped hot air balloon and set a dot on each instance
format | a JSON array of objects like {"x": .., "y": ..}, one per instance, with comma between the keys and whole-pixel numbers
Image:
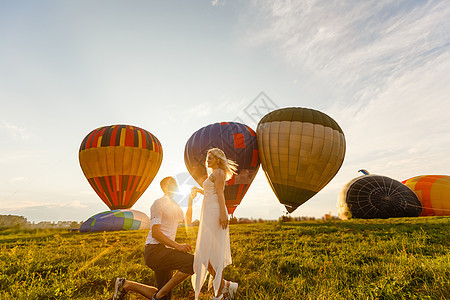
[
  {"x": 433, "y": 192},
  {"x": 118, "y": 219},
  {"x": 301, "y": 150},
  {"x": 238, "y": 141},
  {"x": 120, "y": 162}
]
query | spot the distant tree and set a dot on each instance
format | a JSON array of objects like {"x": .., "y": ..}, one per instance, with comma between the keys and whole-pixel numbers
[
  {"x": 285, "y": 218},
  {"x": 20, "y": 222},
  {"x": 12, "y": 220}
]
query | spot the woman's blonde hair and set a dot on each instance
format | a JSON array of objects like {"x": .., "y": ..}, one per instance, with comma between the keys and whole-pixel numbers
[{"x": 229, "y": 166}]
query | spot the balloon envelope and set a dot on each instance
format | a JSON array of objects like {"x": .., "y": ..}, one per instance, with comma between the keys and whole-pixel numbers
[
  {"x": 238, "y": 141},
  {"x": 433, "y": 192},
  {"x": 375, "y": 196},
  {"x": 120, "y": 162},
  {"x": 301, "y": 150},
  {"x": 119, "y": 219}
]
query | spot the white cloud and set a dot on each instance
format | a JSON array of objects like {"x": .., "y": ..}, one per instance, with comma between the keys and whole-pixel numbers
[
  {"x": 16, "y": 179},
  {"x": 218, "y": 2},
  {"x": 74, "y": 204},
  {"x": 354, "y": 42},
  {"x": 14, "y": 131}
]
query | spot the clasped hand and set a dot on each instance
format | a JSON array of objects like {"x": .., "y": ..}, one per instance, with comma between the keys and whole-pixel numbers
[{"x": 194, "y": 191}]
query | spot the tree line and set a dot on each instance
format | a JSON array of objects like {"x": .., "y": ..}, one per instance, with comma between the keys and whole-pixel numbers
[{"x": 7, "y": 221}]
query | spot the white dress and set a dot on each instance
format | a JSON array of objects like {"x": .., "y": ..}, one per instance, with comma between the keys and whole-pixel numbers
[{"x": 213, "y": 242}]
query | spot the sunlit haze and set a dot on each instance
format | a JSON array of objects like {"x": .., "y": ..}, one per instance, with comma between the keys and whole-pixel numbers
[{"x": 379, "y": 68}]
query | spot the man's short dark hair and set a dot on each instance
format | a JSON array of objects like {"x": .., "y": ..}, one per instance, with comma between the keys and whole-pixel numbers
[{"x": 168, "y": 183}]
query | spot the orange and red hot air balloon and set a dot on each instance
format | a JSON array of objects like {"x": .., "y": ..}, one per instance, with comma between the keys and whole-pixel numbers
[
  {"x": 120, "y": 162},
  {"x": 433, "y": 192}
]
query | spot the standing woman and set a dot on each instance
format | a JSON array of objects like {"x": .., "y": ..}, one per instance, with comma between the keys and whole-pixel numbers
[{"x": 212, "y": 251}]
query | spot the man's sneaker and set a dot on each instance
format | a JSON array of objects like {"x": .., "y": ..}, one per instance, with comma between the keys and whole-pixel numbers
[
  {"x": 119, "y": 292},
  {"x": 230, "y": 289},
  {"x": 154, "y": 296}
]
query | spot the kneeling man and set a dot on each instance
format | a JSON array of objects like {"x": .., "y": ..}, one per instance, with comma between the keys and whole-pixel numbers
[{"x": 162, "y": 253}]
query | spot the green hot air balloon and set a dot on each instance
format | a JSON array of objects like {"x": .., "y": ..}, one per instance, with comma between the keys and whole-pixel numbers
[{"x": 301, "y": 150}]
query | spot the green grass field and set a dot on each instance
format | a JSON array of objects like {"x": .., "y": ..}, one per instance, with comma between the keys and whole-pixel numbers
[{"x": 358, "y": 259}]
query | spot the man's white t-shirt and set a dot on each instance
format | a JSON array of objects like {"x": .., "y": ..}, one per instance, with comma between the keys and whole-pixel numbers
[{"x": 166, "y": 213}]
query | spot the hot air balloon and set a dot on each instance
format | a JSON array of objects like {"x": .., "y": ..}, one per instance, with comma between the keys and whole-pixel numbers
[
  {"x": 375, "y": 196},
  {"x": 119, "y": 219},
  {"x": 301, "y": 150},
  {"x": 433, "y": 192},
  {"x": 120, "y": 162},
  {"x": 238, "y": 141}
]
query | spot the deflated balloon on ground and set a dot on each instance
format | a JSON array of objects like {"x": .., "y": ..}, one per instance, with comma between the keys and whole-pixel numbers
[
  {"x": 119, "y": 219},
  {"x": 375, "y": 196}
]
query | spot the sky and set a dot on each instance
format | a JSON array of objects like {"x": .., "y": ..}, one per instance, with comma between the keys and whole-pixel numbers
[{"x": 379, "y": 68}]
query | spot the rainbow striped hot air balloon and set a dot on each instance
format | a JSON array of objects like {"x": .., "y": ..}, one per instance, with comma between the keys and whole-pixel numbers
[
  {"x": 433, "y": 192},
  {"x": 301, "y": 150},
  {"x": 118, "y": 219},
  {"x": 120, "y": 162},
  {"x": 238, "y": 141}
]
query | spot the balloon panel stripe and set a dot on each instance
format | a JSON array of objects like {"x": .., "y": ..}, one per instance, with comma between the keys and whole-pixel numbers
[
  {"x": 251, "y": 131},
  {"x": 113, "y": 135},
  {"x": 133, "y": 189},
  {"x": 96, "y": 138},
  {"x": 142, "y": 139},
  {"x": 129, "y": 137},
  {"x": 106, "y": 137},
  {"x": 112, "y": 183},
  {"x": 83, "y": 144},
  {"x": 102, "y": 192},
  {"x": 104, "y": 186},
  {"x": 124, "y": 188},
  {"x": 425, "y": 188},
  {"x": 255, "y": 157},
  {"x": 110, "y": 191},
  {"x": 122, "y": 135},
  {"x": 239, "y": 140},
  {"x": 241, "y": 189},
  {"x": 93, "y": 136},
  {"x": 231, "y": 180},
  {"x": 127, "y": 189},
  {"x": 89, "y": 139}
]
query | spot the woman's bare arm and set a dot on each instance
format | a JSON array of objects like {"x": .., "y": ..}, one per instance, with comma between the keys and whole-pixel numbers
[{"x": 219, "y": 183}]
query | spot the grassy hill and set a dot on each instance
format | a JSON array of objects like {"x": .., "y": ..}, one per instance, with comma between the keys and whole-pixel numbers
[{"x": 358, "y": 259}]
